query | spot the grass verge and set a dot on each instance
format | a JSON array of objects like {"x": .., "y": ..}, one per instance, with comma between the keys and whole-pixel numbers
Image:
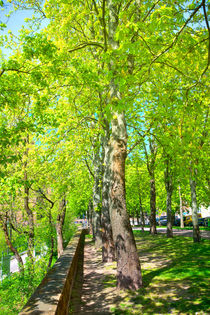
[{"x": 175, "y": 275}]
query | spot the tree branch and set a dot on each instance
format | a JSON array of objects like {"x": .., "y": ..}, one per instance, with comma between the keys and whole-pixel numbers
[
  {"x": 104, "y": 24},
  {"x": 207, "y": 24},
  {"x": 95, "y": 7},
  {"x": 91, "y": 173},
  {"x": 148, "y": 13},
  {"x": 2, "y": 72},
  {"x": 44, "y": 196},
  {"x": 178, "y": 33},
  {"x": 83, "y": 45},
  {"x": 127, "y": 5},
  {"x": 133, "y": 146}
]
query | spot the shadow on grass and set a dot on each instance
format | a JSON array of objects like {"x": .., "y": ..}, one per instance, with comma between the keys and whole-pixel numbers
[{"x": 179, "y": 283}]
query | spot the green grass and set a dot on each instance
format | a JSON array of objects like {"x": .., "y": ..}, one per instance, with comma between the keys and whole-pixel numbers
[
  {"x": 3, "y": 246},
  {"x": 16, "y": 289},
  {"x": 202, "y": 228},
  {"x": 176, "y": 277}
]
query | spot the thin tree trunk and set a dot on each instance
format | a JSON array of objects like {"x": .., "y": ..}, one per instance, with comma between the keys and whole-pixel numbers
[
  {"x": 10, "y": 245},
  {"x": 181, "y": 208},
  {"x": 128, "y": 265},
  {"x": 137, "y": 217},
  {"x": 30, "y": 221},
  {"x": 108, "y": 249},
  {"x": 153, "y": 229},
  {"x": 133, "y": 217},
  {"x": 142, "y": 214},
  {"x": 140, "y": 201},
  {"x": 196, "y": 231},
  {"x": 51, "y": 240},
  {"x": 151, "y": 170},
  {"x": 28, "y": 212},
  {"x": 169, "y": 189},
  {"x": 59, "y": 226}
]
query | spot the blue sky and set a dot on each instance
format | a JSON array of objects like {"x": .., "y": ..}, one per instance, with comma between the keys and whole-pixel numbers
[{"x": 14, "y": 22}]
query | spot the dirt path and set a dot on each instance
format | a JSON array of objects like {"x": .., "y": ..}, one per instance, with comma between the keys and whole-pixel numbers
[{"x": 97, "y": 296}]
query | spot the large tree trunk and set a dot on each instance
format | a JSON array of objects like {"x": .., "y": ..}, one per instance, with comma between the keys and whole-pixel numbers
[
  {"x": 169, "y": 189},
  {"x": 97, "y": 199},
  {"x": 181, "y": 208},
  {"x": 128, "y": 265},
  {"x": 108, "y": 249},
  {"x": 196, "y": 231},
  {"x": 90, "y": 216},
  {"x": 10, "y": 245},
  {"x": 59, "y": 226}
]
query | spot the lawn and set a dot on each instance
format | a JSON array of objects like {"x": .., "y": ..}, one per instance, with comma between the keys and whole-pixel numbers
[{"x": 175, "y": 275}]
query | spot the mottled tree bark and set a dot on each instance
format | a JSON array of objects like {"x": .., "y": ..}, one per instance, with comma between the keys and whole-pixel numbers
[
  {"x": 59, "y": 226},
  {"x": 97, "y": 199},
  {"x": 196, "y": 231},
  {"x": 108, "y": 249},
  {"x": 128, "y": 265},
  {"x": 90, "y": 216}
]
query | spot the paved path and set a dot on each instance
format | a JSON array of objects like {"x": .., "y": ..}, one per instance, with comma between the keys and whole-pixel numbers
[
  {"x": 95, "y": 296},
  {"x": 188, "y": 233}
]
